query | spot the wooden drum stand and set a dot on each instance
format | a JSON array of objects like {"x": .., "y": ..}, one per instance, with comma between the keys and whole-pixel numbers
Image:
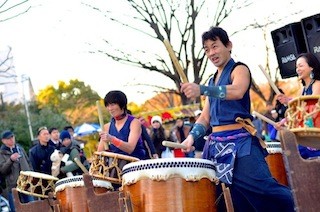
[{"x": 303, "y": 175}]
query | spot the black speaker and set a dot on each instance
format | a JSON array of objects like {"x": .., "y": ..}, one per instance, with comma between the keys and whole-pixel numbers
[
  {"x": 311, "y": 29},
  {"x": 288, "y": 43}
]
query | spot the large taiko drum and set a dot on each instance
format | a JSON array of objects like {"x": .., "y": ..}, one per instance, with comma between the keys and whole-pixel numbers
[
  {"x": 171, "y": 184},
  {"x": 36, "y": 184},
  {"x": 108, "y": 166},
  {"x": 72, "y": 195},
  {"x": 303, "y": 119},
  {"x": 275, "y": 162}
]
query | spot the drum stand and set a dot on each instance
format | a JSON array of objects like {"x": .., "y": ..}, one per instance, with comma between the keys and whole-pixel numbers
[
  {"x": 105, "y": 200},
  {"x": 303, "y": 175},
  {"x": 50, "y": 204}
]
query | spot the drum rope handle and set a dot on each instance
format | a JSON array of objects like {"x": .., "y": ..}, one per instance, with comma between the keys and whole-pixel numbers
[{"x": 103, "y": 169}]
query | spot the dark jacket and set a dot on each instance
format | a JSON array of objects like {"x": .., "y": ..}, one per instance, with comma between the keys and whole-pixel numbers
[
  {"x": 185, "y": 129},
  {"x": 40, "y": 158},
  {"x": 74, "y": 152},
  {"x": 56, "y": 146},
  {"x": 148, "y": 143},
  {"x": 11, "y": 170}
]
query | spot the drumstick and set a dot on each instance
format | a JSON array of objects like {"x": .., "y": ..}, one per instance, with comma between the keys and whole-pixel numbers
[
  {"x": 175, "y": 61},
  {"x": 173, "y": 145},
  {"x": 273, "y": 86},
  {"x": 262, "y": 117},
  {"x": 81, "y": 166},
  {"x": 106, "y": 147}
]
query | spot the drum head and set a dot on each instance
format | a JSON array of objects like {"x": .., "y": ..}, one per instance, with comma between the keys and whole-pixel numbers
[
  {"x": 77, "y": 181},
  {"x": 35, "y": 183}
]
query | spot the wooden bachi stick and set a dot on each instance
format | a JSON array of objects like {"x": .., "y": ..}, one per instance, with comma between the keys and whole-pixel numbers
[
  {"x": 81, "y": 166},
  {"x": 273, "y": 86},
  {"x": 173, "y": 145},
  {"x": 175, "y": 61},
  {"x": 101, "y": 120},
  {"x": 262, "y": 117}
]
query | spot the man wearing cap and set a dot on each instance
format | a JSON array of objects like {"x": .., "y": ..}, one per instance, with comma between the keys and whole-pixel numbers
[
  {"x": 40, "y": 153},
  {"x": 13, "y": 159}
]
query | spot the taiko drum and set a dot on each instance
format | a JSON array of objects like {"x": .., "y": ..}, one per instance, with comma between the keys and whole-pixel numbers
[
  {"x": 275, "y": 162},
  {"x": 72, "y": 195},
  {"x": 171, "y": 184}
]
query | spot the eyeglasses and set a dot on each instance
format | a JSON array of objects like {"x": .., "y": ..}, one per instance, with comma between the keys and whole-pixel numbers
[{"x": 40, "y": 129}]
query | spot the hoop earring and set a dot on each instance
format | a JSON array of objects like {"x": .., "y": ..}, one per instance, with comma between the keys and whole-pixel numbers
[{"x": 312, "y": 75}]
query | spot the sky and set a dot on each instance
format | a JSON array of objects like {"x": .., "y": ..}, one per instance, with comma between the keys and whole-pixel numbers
[{"x": 51, "y": 43}]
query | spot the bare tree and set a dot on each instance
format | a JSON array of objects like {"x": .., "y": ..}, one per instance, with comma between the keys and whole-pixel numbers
[
  {"x": 9, "y": 10},
  {"x": 7, "y": 75},
  {"x": 177, "y": 21},
  {"x": 12, "y": 9}
]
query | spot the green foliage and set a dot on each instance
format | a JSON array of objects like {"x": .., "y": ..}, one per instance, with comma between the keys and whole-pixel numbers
[
  {"x": 14, "y": 118},
  {"x": 69, "y": 104},
  {"x": 75, "y": 100},
  {"x": 67, "y": 96},
  {"x": 47, "y": 117}
]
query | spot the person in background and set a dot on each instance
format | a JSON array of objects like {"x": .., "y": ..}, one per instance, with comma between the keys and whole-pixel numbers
[
  {"x": 13, "y": 159},
  {"x": 235, "y": 151},
  {"x": 54, "y": 138},
  {"x": 78, "y": 144},
  {"x": 272, "y": 131},
  {"x": 181, "y": 132},
  {"x": 308, "y": 70},
  {"x": 147, "y": 142},
  {"x": 73, "y": 152},
  {"x": 40, "y": 153},
  {"x": 158, "y": 134},
  {"x": 123, "y": 132},
  {"x": 268, "y": 114},
  {"x": 70, "y": 129},
  {"x": 258, "y": 125},
  {"x": 280, "y": 108}
]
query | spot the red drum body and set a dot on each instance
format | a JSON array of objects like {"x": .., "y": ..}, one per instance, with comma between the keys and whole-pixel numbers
[
  {"x": 108, "y": 166},
  {"x": 36, "y": 184},
  {"x": 171, "y": 184},
  {"x": 72, "y": 195},
  {"x": 303, "y": 119},
  {"x": 275, "y": 162}
]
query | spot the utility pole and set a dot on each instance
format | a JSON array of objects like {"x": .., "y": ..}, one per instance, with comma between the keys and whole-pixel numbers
[{"x": 23, "y": 79}]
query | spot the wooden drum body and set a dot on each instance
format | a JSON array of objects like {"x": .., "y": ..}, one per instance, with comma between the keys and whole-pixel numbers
[
  {"x": 275, "y": 162},
  {"x": 71, "y": 192},
  {"x": 36, "y": 184},
  {"x": 108, "y": 166},
  {"x": 303, "y": 119},
  {"x": 171, "y": 184}
]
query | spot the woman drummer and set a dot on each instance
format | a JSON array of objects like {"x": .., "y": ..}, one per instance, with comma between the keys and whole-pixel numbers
[
  {"x": 308, "y": 70},
  {"x": 123, "y": 132}
]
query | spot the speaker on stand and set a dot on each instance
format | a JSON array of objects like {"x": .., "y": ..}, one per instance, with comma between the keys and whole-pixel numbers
[
  {"x": 311, "y": 29},
  {"x": 288, "y": 43}
]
